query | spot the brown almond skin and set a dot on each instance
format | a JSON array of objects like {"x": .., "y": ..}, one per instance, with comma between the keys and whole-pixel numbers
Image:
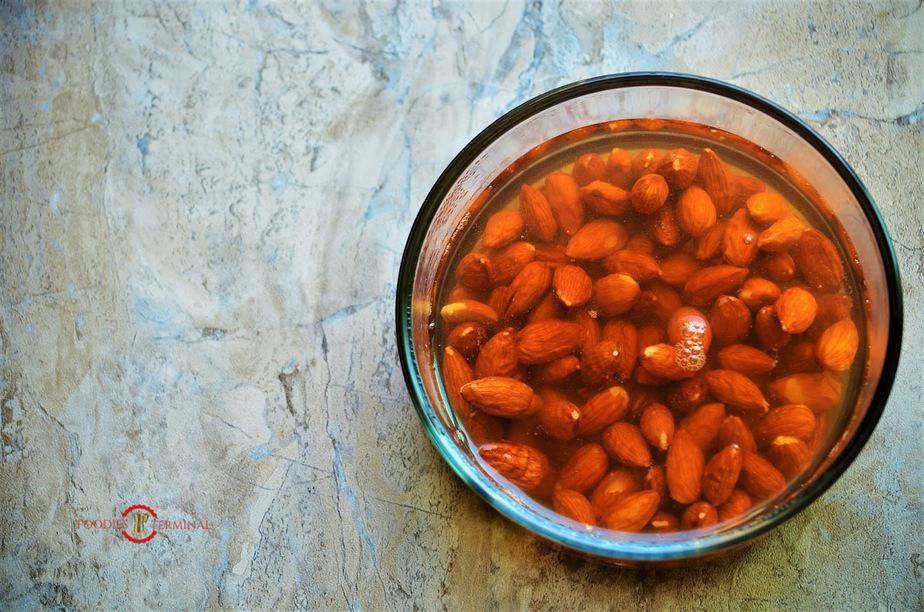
[
  {"x": 791, "y": 456},
  {"x": 709, "y": 283},
  {"x": 657, "y": 425},
  {"x": 676, "y": 269},
  {"x": 778, "y": 267},
  {"x": 713, "y": 176},
  {"x": 820, "y": 392},
  {"x": 590, "y": 329},
  {"x": 502, "y": 228},
  {"x": 703, "y": 424},
  {"x": 696, "y": 212},
  {"x": 799, "y": 357},
  {"x": 483, "y": 428},
  {"x": 781, "y": 236},
  {"x": 456, "y": 374},
  {"x": 758, "y": 292},
  {"x": 664, "y": 227},
  {"x": 640, "y": 243},
  {"x": 612, "y": 488},
  {"x": 501, "y": 396},
  {"x": 603, "y": 409},
  {"x": 573, "y": 505},
  {"x": 625, "y": 337},
  {"x": 643, "y": 268},
  {"x": 837, "y": 347},
  {"x": 557, "y": 371},
  {"x": 687, "y": 325},
  {"x": 746, "y": 359},
  {"x": 548, "y": 308},
  {"x": 796, "y": 309},
  {"x": 735, "y": 431},
  {"x": 552, "y": 254},
  {"x": 661, "y": 360},
  {"x": 819, "y": 262},
  {"x": 684, "y": 468},
  {"x": 499, "y": 298},
  {"x": 508, "y": 263},
  {"x": 585, "y": 468},
  {"x": 468, "y": 338},
  {"x": 614, "y": 294},
  {"x": 664, "y": 522},
  {"x": 527, "y": 288},
  {"x": 730, "y": 320},
  {"x": 522, "y": 465},
  {"x": 619, "y": 168},
  {"x": 596, "y": 240},
  {"x": 759, "y": 477},
  {"x": 547, "y": 341},
  {"x": 770, "y": 333},
  {"x": 475, "y": 271},
  {"x": 649, "y": 193},
  {"x": 743, "y": 187},
  {"x": 537, "y": 214},
  {"x": 688, "y": 395},
  {"x": 558, "y": 418},
  {"x": 645, "y": 162},
  {"x": 468, "y": 311},
  {"x": 737, "y": 390},
  {"x": 605, "y": 199},
  {"x": 699, "y": 516},
  {"x": 563, "y": 195},
  {"x": 710, "y": 244},
  {"x": 625, "y": 443},
  {"x": 498, "y": 357},
  {"x": 767, "y": 208},
  {"x": 572, "y": 285},
  {"x": 721, "y": 474},
  {"x": 600, "y": 363},
  {"x": 794, "y": 420},
  {"x": 656, "y": 480},
  {"x": 679, "y": 167},
  {"x": 632, "y": 512},
  {"x": 589, "y": 167},
  {"x": 737, "y": 504}
]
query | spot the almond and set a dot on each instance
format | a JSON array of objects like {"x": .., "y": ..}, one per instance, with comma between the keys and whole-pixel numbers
[
  {"x": 547, "y": 341},
  {"x": 658, "y": 298},
  {"x": 684, "y": 468},
  {"x": 641, "y": 267},
  {"x": 467, "y": 338},
  {"x": 767, "y": 208},
  {"x": 501, "y": 396},
  {"x": 558, "y": 418},
  {"x": 709, "y": 283},
  {"x": 632, "y": 512},
  {"x": 596, "y": 240},
  {"x": 679, "y": 168},
  {"x": 713, "y": 176},
  {"x": 625, "y": 337},
  {"x": 548, "y": 308},
  {"x": 612, "y": 488},
  {"x": 483, "y": 427},
  {"x": 556, "y": 371},
  {"x": 605, "y": 199},
  {"x": 649, "y": 193},
  {"x": 590, "y": 329},
  {"x": 735, "y": 431},
  {"x": 460, "y": 292},
  {"x": 588, "y": 168},
  {"x": 703, "y": 424},
  {"x": 664, "y": 522},
  {"x": 770, "y": 333},
  {"x": 721, "y": 474},
  {"x": 759, "y": 477},
  {"x": 502, "y": 228},
  {"x": 509, "y": 262},
  {"x": 600, "y": 363},
  {"x": 737, "y": 390},
  {"x": 794, "y": 420},
  {"x": 475, "y": 271},
  {"x": 657, "y": 425},
  {"x": 832, "y": 308},
  {"x": 619, "y": 168},
  {"x": 730, "y": 320},
  {"x": 696, "y": 213},
  {"x": 456, "y": 374},
  {"x": 740, "y": 240},
  {"x": 561, "y": 191},
  {"x": 799, "y": 357},
  {"x": 758, "y": 292},
  {"x": 625, "y": 443},
  {"x": 498, "y": 357},
  {"x": 646, "y": 378},
  {"x": 688, "y": 395},
  {"x": 522, "y": 465},
  {"x": 585, "y": 468},
  {"x": 615, "y": 293},
  {"x": 640, "y": 243},
  {"x": 648, "y": 335},
  {"x": 525, "y": 431},
  {"x": 746, "y": 359},
  {"x": 572, "y": 285},
  {"x": 743, "y": 187},
  {"x": 838, "y": 346},
  {"x": 645, "y": 162},
  {"x": 573, "y": 505},
  {"x": 552, "y": 253},
  {"x": 737, "y": 504},
  {"x": 699, "y": 516},
  {"x": 796, "y": 309},
  {"x": 709, "y": 244},
  {"x": 677, "y": 269},
  {"x": 656, "y": 480},
  {"x": 537, "y": 214},
  {"x": 689, "y": 329},
  {"x": 664, "y": 362},
  {"x": 664, "y": 227},
  {"x": 528, "y": 288},
  {"x": 603, "y": 409},
  {"x": 468, "y": 311},
  {"x": 641, "y": 398},
  {"x": 782, "y": 235},
  {"x": 819, "y": 261},
  {"x": 820, "y": 392},
  {"x": 791, "y": 456},
  {"x": 778, "y": 267},
  {"x": 499, "y": 298}
]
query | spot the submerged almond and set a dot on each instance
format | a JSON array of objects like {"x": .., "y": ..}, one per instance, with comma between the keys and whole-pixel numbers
[
  {"x": 523, "y": 465},
  {"x": 837, "y": 347}
]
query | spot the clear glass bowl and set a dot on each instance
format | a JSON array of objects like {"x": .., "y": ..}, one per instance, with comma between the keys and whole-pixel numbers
[{"x": 784, "y": 138}]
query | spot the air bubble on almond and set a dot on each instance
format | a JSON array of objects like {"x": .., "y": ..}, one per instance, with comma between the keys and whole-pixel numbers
[
  {"x": 592, "y": 313},
  {"x": 691, "y": 355}
]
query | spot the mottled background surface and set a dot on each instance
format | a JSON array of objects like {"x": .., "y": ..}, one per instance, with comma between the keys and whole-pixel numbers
[{"x": 202, "y": 210}]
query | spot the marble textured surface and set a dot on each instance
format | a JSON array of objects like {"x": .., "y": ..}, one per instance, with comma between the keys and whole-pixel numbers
[{"x": 202, "y": 210}]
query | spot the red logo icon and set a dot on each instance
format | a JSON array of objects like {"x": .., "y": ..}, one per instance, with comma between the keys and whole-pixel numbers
[{"x": 140, "y": 523}]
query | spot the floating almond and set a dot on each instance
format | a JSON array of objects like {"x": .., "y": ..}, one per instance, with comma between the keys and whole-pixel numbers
[
  {"x": 619, "y": 168},
  {"x": 794, "y": 420},
  {"x": 558, "y": 418},
  {"x": 759, "y": 477},
  {"x": 677, "y": 269},
  {"x": 679, "y": 168},
  {"x": 721, "y": 474},
  {"x": 522, "y": 465},
  {"x": 502, "y": 228},
  {"x": 645, "y": 162},
  {"x": 556, "y": 371},
  {"x": 709, "y": 244},
  {"x": 573, "y": 505},
  {"x": 740, "y": 239},
  {"x": 796, "y": 309},
  {"x": 696, "y": 213},
  {"x": 548, "y": 340},
  {"x": 709, "y": 283},
  {"x": 735, "y": 431},
  {"x": 596, "y": 240},
  {"x": 782, "y": 235},
  {"x": 563, "y": 195},
  {"x": 746, "y": 359},
  {"x": 603, "y": 409},
  {"x": 509, "y": 262},
  {"x": 838, "y": 346},
  {"x": 778, "y": 267},
  {"x": 820, "y": 392},
  {"x": 498, "y": 357},
  {"x": 456, "y": 374},
  {"x": 572, "y": 285},
  {"x": 467, "y": 338},
  {"x": 649, "y": 193},
  {"x": 612, "y": 488},
  {"x": 615, "y": 293},
  {"x": 501, "y": 396},
  {"x": 688, "y": 328},
  {"x": 767, "y": 208},
  {"x": 625, "y": 443},
  {"x": 475, "y": 271},
  {"x": 737, "y": 504},
  {"x": 699, "y": 516},
  {"x": 641, "y": 267},
  {"x": 664, "y": 227},
  {"x": 528, "y": 288},
  {"x": 657, "y": 425},
  {"x": 585, "y": 468},
  {"x": 758, "y": 292},
  {"x": 737, "y": 390},
  {"x": 588, "y": 168},
  {"x": 819, "y": 261},
  {"x": 790, "y": 455},
  {"x": 770, "y": 333},
  {"x": 703, "y": 424},
  {"x": 684, "y": 468},
  {"x": 468, "y": 311},
  {"x": 605, "y": 199},
  {"x": 730, "y": 320},
  {"x": 537, "y": 214},
  {"x": 632, "y": 512}
]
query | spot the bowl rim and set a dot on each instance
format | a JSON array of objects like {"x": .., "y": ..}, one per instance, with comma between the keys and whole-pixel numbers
[{"x": 642, "y": 549}]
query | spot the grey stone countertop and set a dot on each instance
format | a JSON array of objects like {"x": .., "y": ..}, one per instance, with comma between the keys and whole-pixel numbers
[{"x": 203, "y": 211}]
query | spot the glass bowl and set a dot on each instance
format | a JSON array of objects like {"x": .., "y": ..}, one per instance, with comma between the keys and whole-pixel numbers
[{"x": 790, "y": 145}]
